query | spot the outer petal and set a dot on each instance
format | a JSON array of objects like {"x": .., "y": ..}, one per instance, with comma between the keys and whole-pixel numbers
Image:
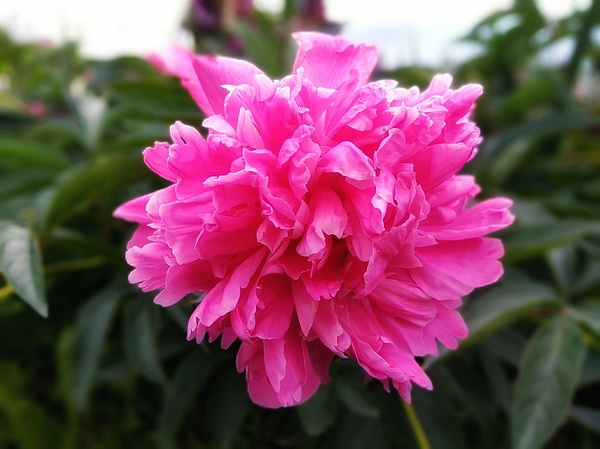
[
  {"x": 175, "y": 61},
  {"x": 330, "y": 61},
  {"x": 213, "y": 74},
  {"x": 454, "y": 268},
  {"x": 283, "y": 372},
  {"x": 134, "y": 210},
  {"x": 484, "y": 218}
]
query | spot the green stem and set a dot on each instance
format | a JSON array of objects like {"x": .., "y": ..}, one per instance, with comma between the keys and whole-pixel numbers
[{"x": 416, "y": 426}]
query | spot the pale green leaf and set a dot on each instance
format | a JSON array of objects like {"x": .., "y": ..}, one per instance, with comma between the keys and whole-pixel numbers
[{"x": 21, "y": 265}]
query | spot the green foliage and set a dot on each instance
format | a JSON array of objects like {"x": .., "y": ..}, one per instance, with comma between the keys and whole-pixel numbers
[
  {"x": 108, "y": 368},
  {"x": 544, "y": 387}
]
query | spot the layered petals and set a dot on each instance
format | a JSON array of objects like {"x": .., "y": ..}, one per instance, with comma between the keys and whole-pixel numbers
[{"x": 320, "y": 215}]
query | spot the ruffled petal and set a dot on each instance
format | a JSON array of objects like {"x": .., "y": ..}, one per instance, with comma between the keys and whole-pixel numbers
[
  {"x": 330, "y": 61},
  {"x": 213, "y": 75}
]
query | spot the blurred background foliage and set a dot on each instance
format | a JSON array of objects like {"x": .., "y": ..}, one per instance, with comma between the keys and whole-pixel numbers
[{"x": 87, "y": 360}]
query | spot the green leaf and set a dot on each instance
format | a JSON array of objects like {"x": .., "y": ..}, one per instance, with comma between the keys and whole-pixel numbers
[
  {"x": 527, "y": 95},
  {"x": 263, "y": 47},
  {"x": 356, "y": 432},
  {"x": 563, "y": 263},
  {"x": 546, "y": 381},
  {"x": 589, "y": 277},
  {"x": 228, "y": 404},
  {"x": 140, "y": 330},
  {"x": 588, "y": 314},
  {"x": 31, "y": 154},
  {"x": 320, "y": 411},
  {"x": 84, "y": 184},
  {"x": 91, "y": 328},
  {"x": 350, "y": 389},
  {"x": 590, "y": 373},
  {"x": 551, "y": 124},
  {"x": 189, "y": 378},
  {"x": 522, "y": 242},
  {"x": 498, "y": 379},
  {"x": 504, "y": 304},
  {"x": 21, "y": 265},
  {"x": 439, "y": 419},
  {"x": 587, "y": 417},
  {"x": 162, "y": 97},
  {"x": 23, "y": 412},
  {"x": 23, "y": 182},
  {"x": 64, "y": 349}
]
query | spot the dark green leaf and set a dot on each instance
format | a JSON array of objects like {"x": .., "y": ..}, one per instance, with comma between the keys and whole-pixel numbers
[
  {"x": 563, "y": 262},
  {"x": 498, "y": 379},
  {"x": 587, "y": 417},
  {"x": 522, "y": 242},
  {"x": 228, "y": 404},
  {"x": 539, "y": 126},
  {"x": 588, "y": 314},
  {"x": 507, "y": 345},
  {"x": 24, "y": 181},
  {"x": 590, "y": 373},
  {"x": 350, "y": 389},
  {"x": 589, "y": 277},
  {"x": 439, "y": 419},
  {"x": 91, "y": 327},
  {"x": 140, "y": 330},
  {"x": 263, "y": 48},
  {"x": 64, "y": 350},
  {"x": 30, "y": 154},
  {"x": 356, "y": 432},
  {"x": 189, "y": 378},
  {"x": 547, "y": 378},
  {"x": 163, "y": 97},
  {"x": 319, "y": 412},
  {"x": 84, "y": 184},
  {"x": 23, "y": 413},
  {"x": 506, "y": 303},
  {"x": 21, "y": 265}
]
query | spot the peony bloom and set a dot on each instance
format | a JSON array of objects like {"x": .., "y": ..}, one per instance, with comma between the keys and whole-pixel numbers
[{"x": 322, "y": 215}]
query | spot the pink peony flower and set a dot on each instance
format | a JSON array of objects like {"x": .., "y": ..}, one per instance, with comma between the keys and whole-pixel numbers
[{"x": 322, "y": 215}]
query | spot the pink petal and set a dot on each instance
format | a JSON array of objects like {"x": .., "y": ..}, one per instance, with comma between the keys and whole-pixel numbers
[
  {"x": 482, "y": 219},
  {"x": 134, "y": 210},
  {"x": 330, "y": 61},
  {"x": 215, "y": 72},
  {"x": 454, "y": 268},
  {"x": 347, "y": 160}
]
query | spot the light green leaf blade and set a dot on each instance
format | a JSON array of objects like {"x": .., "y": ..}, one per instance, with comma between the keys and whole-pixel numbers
[
  {"x": 21, "y": 265},
  {"x": 546, "y": 381}
]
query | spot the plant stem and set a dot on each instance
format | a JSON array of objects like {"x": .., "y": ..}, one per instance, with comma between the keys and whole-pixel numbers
[{"x": 416, "y": 426}]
